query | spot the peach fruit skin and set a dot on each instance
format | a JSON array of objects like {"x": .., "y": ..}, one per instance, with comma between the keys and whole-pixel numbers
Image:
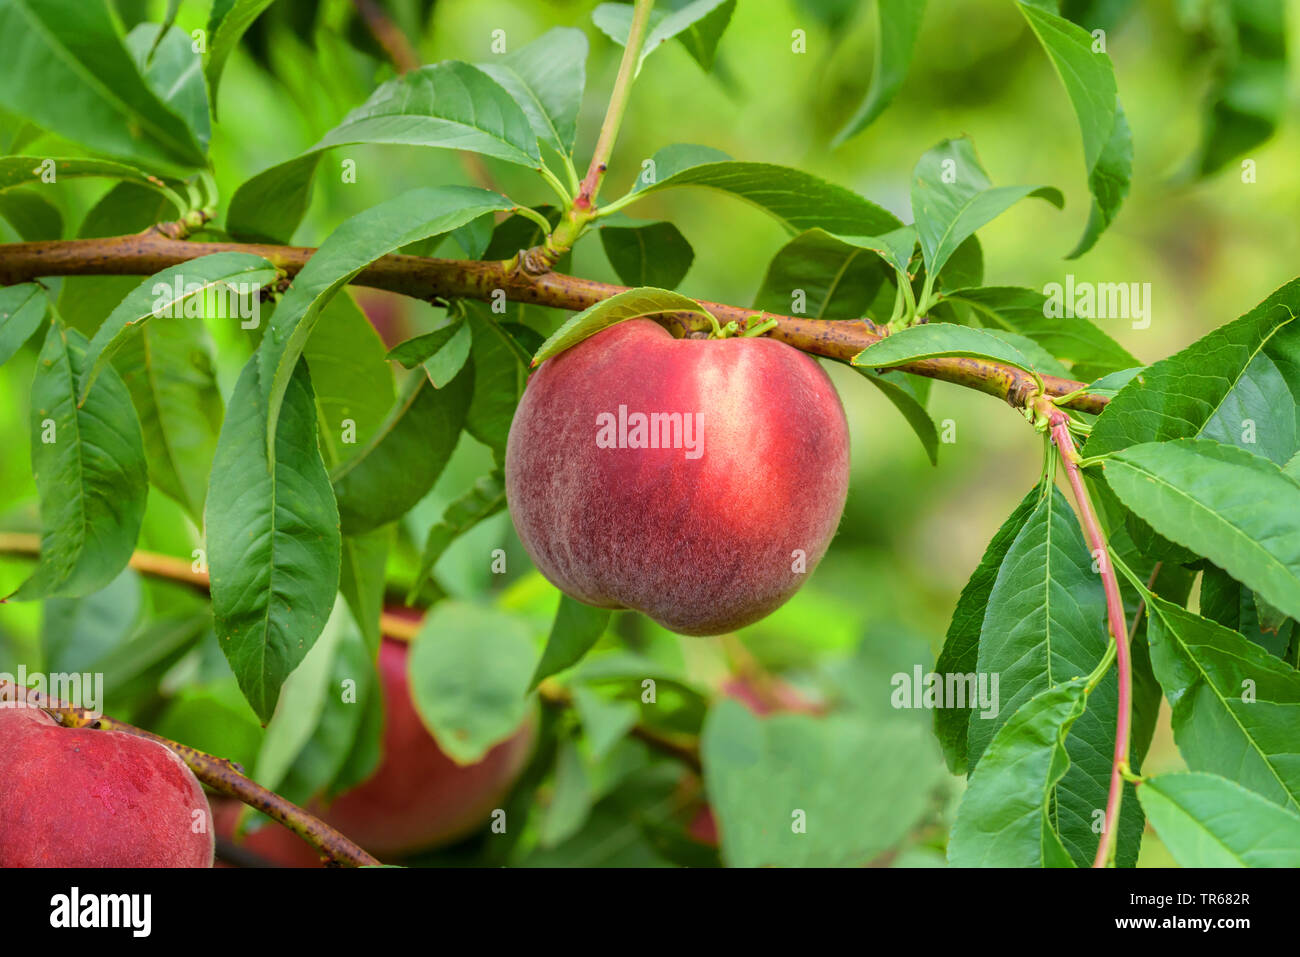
[
  {"x": 419, "y": 798},
  {"x": 74, "y": 797},
  {"x": 701, "y": 545}
]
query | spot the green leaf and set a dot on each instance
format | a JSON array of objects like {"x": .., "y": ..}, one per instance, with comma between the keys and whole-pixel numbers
[
  {"x": 351, "y": 378},
  {"x": 633, "y": 304},
  {"x": 227, "y": 22},
  {"x": 168, "y": 367},
  {"x": 1089, "y": 80},
  {"x": 32, "y": 216},
  {"x": 486, "y": 498},
  {"x": 349, "y": 249},
  {"x": 78, "y": 632},
  {"x": 1024, "y": 311},
  {"x": 90, "y": 474},
  {"x": 605, "y": 721},
  {"x": 18, "y": 170},
  {"x": 22, "y": 308},
  {"x": 167, "y": 59},
  {"x": 899, "y": 391},
  {"x": 797, "y": 200},
  {"x": 546, "y": 79},
  {"x": 894, "y": 247},
  {"x": 822, "y": 276},
  {"x": 900, "y": 22},
  {"x": 1238, "y": 510},
  {"x": 64, "y": 66},
  {"x": 1227, "y": 601},
  {"x": 1244, "y": 373},
  {"x": 469, "y": 671},
  {"x": 935, "y": 339},
  {"x": 405, "y": 456},
  {"x": 1208, "y": 821},
  {"x": 960, "y": 653},
  {"x": 272, "y": 536},
  {"x": 443, "y": 352},
  {"x": 500, "y": 357},
  {"x": 1249, "y": 92},
  {"x": 1235, "y": 706},
  {"x": 577, "y": 627},
  {"x": 952, "y": 197},
  {"x": 186, "y": 291},
  {"x": 859, "y": 783},
  {"x": 572, "y": 797},
  {"x": 1006, "y": 816},
  {"x": 699, "y": 24},
  {"x": 362, "y": 581},
  {"x": 656, "y": 254},
  {"x": 1045, "y": 625},
  {"x": 449, "y": 105}
]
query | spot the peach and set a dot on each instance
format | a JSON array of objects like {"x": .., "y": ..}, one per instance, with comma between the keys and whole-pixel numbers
[
  {"x": 77, "y": 797},
  {"x": 697, "y": 481}
]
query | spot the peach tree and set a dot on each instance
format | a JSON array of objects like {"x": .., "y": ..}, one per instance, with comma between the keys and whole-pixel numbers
[{"x": 229, "y": 461}]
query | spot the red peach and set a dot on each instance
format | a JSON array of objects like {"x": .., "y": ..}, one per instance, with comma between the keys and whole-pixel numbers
[
  {"x": 77, "y": 797},
  {"x": 707, "y": 534}
]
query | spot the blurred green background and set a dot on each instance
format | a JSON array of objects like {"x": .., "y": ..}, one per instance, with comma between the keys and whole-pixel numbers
[{"x": 911, "y": 533}]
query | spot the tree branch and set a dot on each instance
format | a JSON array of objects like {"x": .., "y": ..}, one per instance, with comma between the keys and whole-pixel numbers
[
  {"x": 143, "y": 254},
  {"x": 218, "y": 774}
]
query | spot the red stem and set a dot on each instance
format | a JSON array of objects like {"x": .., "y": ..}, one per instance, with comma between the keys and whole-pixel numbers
[{"x": 1115, "y": 622}]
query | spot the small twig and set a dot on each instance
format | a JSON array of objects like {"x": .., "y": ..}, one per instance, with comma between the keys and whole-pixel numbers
[
  {"x": 1059, "y": 424},
  {"x": 1142, "y": 602},
  {"x": 388, "y": 35},
  {"x": 218, "y": 774}
]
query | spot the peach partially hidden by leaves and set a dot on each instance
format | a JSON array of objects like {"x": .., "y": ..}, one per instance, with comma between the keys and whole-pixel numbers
[{"x": 698, "y": 481}]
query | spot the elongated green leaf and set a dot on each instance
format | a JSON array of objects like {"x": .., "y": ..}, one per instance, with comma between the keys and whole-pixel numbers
[
  {"x": 469, "y": 672},
  {"x": 272, "y": 537},
  {"x": 1045, "y": 624},
  {"x": 405, "y": 456},
  {"x": 1231, "y": 604},
  {"x": 796, "y": 199},
  {"x": 169, "y": 369},
  {"x": 227, "y": 22},
  {"x": 936, "y": 339},
  {"x": 22, "y": 308},
  {"x": 632, "y": 304},
  {"x": 500, "y": 356},
  {"x": 546, "y": 78},
  {"x": 1238, "y": 510},
  {"x": 823, "y": 277},
  {"x": 1208, "y": 821},
  {"x": 576, "y": 628},
  {"x": 952, "y": 197},
  {"x": 90, "y": 473},
  {"x": 1235, "y": 706},
  {"x": 1249, "y": 92},
  {"x": 1089, "y": 80},
  {"x": 699, "y": 24},
  {"x": 896, "y": 246},
  {"x": 900, "y": 22},
  {"x": 857, "y": 785},
  {"x": 449, "y": 105},
  {"x": 486, "y": 498},
  {"x": 64, "y": 66},
  {"x": 351, "y": 379},
  {"x": 1240, "y": 381},
  {"x": 1006, "y": 815},
  {"x": 1024, "y": 311},
  {"x": 19, "y": 170},
  {"x": 361, "y": 580},
  {"x": 349, "y": 249},
  {"x": 900, "y": 392},
  {"x": 443, "y": 352},
  {"x": 186, "y": 291},
  {"x": 656, "y": 254},
  {"x": 174, "y": 71},
  {"x": 960, "y": 655}
]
